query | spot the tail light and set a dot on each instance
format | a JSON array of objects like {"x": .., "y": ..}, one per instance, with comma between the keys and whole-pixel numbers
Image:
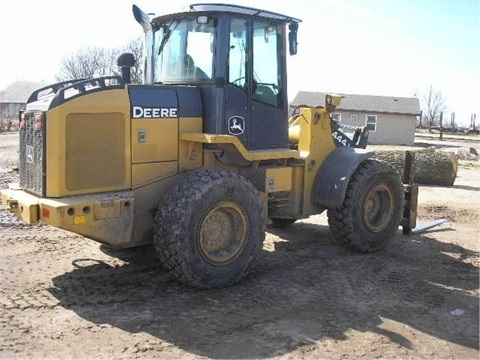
[
  {"x": 21, "y": 124},
  {"x": 38, "y": 122}
]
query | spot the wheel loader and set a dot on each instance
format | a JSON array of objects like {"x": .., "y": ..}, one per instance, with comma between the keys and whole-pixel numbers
[{"x": 202, "y": 155}]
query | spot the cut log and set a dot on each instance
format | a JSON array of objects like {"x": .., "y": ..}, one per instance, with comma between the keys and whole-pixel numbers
[{"x": 431, "y": 166}]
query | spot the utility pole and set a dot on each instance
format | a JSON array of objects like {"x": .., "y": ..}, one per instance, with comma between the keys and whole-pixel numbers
[{"x": 441, "y": 125}]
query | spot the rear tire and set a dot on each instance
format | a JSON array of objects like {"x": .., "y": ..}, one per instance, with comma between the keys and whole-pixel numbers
[
  {"x": 210, "y": 229},
  {"x": 372, "y": 209}
]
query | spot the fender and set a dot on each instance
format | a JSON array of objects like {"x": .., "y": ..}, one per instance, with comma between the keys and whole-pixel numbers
[{"x": 331, "y": 181}]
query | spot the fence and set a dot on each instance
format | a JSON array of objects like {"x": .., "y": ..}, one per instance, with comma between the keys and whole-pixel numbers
[{"x": 448, "y": 122}]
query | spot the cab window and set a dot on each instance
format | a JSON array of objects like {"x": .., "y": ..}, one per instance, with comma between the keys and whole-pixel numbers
[{"x": 266, "y": 63}]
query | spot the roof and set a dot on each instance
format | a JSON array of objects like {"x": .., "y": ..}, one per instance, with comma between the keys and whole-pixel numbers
[
  {"x": 19, "y": 91},
  {"x": 215, "y": 7},
  {"x": 240, "y": 9},
  {"x": 365, "y": 103}
]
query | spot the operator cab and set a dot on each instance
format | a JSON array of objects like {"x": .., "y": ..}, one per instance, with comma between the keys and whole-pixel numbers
[{"x": 236, "y": 56}]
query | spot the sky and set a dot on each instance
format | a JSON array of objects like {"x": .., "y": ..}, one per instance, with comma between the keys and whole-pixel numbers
[{"x": 373, "y": 47}]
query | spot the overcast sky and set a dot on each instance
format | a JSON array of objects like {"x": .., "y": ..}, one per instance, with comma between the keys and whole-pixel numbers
[{"x": 384, "y": 47}]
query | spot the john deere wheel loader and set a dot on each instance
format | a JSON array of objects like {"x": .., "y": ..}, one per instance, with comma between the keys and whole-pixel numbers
[{"x": 201, "y": 155}]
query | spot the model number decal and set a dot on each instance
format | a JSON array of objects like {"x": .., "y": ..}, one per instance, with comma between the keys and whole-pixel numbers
[
  {"x": 342, "y": 139},
  {"x": 153, "y": 112}
]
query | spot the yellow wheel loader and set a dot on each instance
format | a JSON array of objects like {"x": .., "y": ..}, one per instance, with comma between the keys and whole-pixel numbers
[{"x": 201, "y": 155}]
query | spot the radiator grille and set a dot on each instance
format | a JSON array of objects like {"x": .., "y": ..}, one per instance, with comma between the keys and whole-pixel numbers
[{"x": 32, "y": 159}]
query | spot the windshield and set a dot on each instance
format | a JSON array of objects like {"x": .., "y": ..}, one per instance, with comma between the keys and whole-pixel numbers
[{"x": 183, "y": 51}]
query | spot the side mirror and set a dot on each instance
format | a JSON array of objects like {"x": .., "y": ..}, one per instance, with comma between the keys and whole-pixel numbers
[
  {"x": 126, "y": 61},
  {"x": 292, "y": 38}
]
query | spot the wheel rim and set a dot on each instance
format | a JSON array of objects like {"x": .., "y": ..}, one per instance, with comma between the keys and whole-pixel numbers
[
  {"x": 377, "y": 208},
  {"x": 223, "y": 233}
]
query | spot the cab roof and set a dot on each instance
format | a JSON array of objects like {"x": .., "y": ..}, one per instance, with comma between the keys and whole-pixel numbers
[{"x": 239, "y": 9}]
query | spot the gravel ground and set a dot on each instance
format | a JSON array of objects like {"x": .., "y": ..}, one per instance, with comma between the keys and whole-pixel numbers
[{"x": 63, "y": 296}]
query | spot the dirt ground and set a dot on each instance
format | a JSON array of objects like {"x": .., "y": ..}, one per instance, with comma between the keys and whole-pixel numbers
[{"x": 63, "y": 296}]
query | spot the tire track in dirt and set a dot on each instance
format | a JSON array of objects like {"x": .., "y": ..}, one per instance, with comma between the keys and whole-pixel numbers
[
  {"x": 65, "y": 296},
  {"x": 37, "y": 298}
]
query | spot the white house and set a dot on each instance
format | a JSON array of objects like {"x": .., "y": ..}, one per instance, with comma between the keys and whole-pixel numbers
[{"x": 391, "y": 120}]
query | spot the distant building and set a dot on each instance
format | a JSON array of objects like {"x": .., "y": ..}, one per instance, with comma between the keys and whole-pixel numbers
[
  {"x": 391, "y": 120},
  {"x": 14, "y": 97}
]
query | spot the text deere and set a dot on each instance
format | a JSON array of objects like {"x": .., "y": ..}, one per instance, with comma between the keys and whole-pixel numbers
[{"x": 155, "y": 112}]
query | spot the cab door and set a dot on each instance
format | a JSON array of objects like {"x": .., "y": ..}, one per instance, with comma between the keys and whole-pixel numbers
[{"x": 256, "y": 100}]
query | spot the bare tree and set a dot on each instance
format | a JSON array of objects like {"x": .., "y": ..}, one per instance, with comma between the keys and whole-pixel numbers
[
  {"x": 86, "y": 63},
  {"x": 95, "y": 62},
  {"x": 433, "y": 103}
]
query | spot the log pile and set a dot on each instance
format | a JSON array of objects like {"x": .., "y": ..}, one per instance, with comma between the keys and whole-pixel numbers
[{"x": 431, "y": 166}]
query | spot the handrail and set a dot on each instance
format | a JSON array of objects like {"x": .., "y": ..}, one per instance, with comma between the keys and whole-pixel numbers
[
  {"x": 65, "y": 90},
  {"x": 84, "y": 86},
  {"x": 50, "y": 90}
]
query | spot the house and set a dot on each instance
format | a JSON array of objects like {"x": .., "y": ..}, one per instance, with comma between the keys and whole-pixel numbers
[
  {"x": 14, "y": 97},
  {"x": 390, "y": 120}
]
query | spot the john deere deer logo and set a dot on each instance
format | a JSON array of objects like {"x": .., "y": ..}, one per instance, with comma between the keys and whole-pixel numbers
[
  {"x": 236, "y": 125},
  {"x": 29, "y": 154}
]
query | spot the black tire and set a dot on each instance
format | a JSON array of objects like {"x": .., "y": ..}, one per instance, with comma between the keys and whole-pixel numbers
[
  {"x": 372, "y": 209},
  {"x": 210, "y": 229},
  {"x": 280, "y": 223}
]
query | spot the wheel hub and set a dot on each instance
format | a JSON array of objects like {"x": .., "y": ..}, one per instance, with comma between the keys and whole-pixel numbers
[
  {"x": 223, "y": 233},
  {"x": 377, "y": 208}
]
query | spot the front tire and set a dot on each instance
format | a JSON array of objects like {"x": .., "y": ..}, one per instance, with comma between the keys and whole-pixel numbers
[
  {"x": 210, "y": 229},
  {"x": 372, "y": 209}
]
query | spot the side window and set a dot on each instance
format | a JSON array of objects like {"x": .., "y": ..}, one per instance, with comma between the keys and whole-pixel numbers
[
  {"x": 371, "y": 122},
  {"x": 266, "y": 63},
  {"x": 337, "y": 117},
  {"x": 237, "y": 54}
]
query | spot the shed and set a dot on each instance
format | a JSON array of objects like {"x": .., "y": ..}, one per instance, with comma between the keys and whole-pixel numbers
[
  {"x": 391, "y": 120},
  {"x": 14, "y": 97}
]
